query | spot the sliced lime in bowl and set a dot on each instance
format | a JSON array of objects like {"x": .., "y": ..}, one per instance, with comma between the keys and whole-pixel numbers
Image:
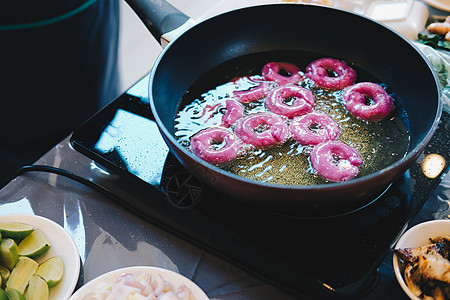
[
  {"x": 13, "y": 294},
  {"x": 4, "y": 274},
  {"x": 37, "y": 289},
  {"x": 35, "y": 244},
  {"x": 51, "y": 270},
  {"x": 9, "y": 253},
  {"x": 15, "y": 230}
]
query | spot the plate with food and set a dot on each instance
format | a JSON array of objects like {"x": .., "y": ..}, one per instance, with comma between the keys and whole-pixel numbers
[
  {"x": 127, "y": 282},
  {"x": 440, "y": 4},
  {"x": 421, "y": 260},
  {"x": 37, "y": 256}
]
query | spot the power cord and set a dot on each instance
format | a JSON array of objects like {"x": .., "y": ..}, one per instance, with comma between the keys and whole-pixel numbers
[
  {"x": 106, "y": 192},
  {"x": 67, "y": 174}
]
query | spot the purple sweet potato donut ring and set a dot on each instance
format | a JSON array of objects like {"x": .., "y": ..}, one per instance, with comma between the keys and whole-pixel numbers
[
  {"x": 262, "y": 130},
  {"x": 254, "y": 93},
  {"x": 302, "y": 101},
  {"x": 319, "y": 72},
  {"x": 356, "y": 101},
  {"x": 335, "y": 161},
  {"x": 234, "y": 111},
  {"x": 325, "y": 128},
  {"x": 215, "y": 145},
  {"x": 271, "y": 72}
]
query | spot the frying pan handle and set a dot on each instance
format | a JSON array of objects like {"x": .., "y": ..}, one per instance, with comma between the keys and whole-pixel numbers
[{"x": 162, "y": 19}]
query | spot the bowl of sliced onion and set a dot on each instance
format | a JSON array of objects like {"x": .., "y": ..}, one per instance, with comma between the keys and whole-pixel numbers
[
  {"x": 140, "y": 282},
  {"x": 421, "y": 260}
]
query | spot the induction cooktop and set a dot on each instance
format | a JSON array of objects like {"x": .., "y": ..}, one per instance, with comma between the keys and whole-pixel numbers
[{"x": 330, "y": 257}]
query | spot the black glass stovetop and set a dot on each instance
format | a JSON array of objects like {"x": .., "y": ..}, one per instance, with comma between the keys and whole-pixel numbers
[{"x": 334, "y": 257}]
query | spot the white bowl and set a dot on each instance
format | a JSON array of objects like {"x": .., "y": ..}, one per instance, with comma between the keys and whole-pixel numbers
[
  {"x": 62, "y": 244},
  {"x": 418, "y": 236},
  {"x": 110, "y": 277}
]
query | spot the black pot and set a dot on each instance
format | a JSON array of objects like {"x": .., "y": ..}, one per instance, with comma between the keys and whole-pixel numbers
[{"x": 329, "y": 32}]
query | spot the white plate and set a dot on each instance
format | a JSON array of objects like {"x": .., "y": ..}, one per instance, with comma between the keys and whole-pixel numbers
[
  {"x": 440, "y": 4},
  {"x": 61, "y": 244},
  {"x": 110, "y": 277},
  {"x": 418, "y": 236}
]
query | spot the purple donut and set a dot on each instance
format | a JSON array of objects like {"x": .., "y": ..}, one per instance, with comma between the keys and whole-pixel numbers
[
  {"x": 271, "y": 72},
  {"x": 301, "y": 101},
  {"x": 254, "y": 93},
  {"x": 215, "y": 145},
  {"x": 368, "y": 101},
  {"x": 262, "y": 129},
  {"x": 314, "y": 128},
  {"x": 234, "y": 111},
  {"x": 335, "y": 161},
  {"x": 330, "y": 73}
]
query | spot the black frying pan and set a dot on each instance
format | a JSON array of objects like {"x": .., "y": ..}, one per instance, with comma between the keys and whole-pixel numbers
[{"x": 326, "y": 31}]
